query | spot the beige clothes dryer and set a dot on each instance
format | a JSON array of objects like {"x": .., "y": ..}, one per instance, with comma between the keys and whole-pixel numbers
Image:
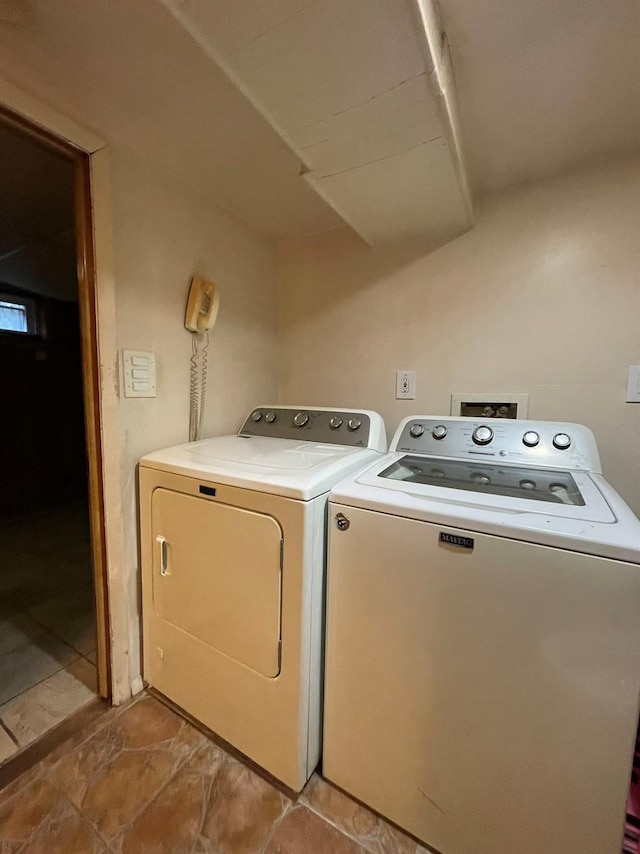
[{"x": 233, "y": 536}]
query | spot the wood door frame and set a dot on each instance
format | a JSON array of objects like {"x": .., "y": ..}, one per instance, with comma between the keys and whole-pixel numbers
[{"x": 91, "y": 378}]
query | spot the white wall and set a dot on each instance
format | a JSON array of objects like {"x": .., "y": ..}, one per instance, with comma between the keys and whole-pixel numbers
[
  {"x": 164, "y": 233},
  {"x": 542, "y": 297}
]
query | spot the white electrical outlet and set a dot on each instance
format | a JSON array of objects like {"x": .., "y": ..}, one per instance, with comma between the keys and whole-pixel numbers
[
  {"x": 633, "y": 384},
  {"x": 405, "y": 385}
]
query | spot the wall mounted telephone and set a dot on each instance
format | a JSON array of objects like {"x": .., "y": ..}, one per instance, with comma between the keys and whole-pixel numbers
[
  {"x": 202, "y": 305},
  {"x": 202, "y": 311}
]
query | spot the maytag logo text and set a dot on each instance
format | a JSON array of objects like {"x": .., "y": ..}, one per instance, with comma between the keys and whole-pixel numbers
[{"x": 456, "y": 540}]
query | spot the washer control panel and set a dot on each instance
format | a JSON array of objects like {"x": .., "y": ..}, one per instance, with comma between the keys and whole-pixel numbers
[
  {"x": 541, "y": 443},
  {"x": 330, "y": 426}
]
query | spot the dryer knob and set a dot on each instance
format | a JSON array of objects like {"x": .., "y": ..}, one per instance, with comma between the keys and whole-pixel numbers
[
  {"x": 354, "y": 424},
  {"x": 256, "y": 416},
  {"x": 439, "y": 431},
  {"x": 335, "y": 422},
  {"x": 561, "y": 441},
  {"x": 270, "y": 417},
  {"x": 482, "y": 435},
  {"x": 531, "y": 438},
  {"x": 300, "y": 419},
  {"x": 416, "y": 430}
]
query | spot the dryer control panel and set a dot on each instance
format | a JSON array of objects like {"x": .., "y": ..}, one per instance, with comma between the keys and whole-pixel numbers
[
  {"x": 539, "y": 443},
  {"x": 362, "y": 429}
]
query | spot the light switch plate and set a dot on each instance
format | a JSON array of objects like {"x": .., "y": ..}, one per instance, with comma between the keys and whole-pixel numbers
[
  {"x": 138, "y": 373},
  {"x": 633, "y": 384}
]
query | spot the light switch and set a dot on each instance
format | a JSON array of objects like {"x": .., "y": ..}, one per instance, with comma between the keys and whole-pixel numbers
[
  {"x": 138, "y": 373},
  {"x": 633, "y": 384}
]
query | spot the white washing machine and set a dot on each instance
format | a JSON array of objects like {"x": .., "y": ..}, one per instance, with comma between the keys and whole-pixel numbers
[
  {"x": 483, "y": 638},
  {"x": 233, "y": 533}
]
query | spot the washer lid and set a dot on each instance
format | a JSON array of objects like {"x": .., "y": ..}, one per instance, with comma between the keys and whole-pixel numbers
[
  {"x": 492, "y": 487},
  {"x": 602, "y": 525},
  {"x": 285, "y": 467},
  {"x": 549, "y": 486}
]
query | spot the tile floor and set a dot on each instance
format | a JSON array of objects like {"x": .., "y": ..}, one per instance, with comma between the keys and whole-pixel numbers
[
  {"x": 47, "y": 634},
  {"x": 141, "y": 780}
]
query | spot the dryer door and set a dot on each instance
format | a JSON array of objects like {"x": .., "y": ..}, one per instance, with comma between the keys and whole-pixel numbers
[{"x": 217, "y": 576}]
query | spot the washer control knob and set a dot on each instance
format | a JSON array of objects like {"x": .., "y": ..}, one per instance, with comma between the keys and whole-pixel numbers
[
  {"x": 531, "y": 438},
  {"x": 561, "y": 441},
  {"x": 354, "y": 424},
  {"x": 300, "y": 419},
  {"x": 416, "y": 430},
  {"x": 439, "y": 431},
  {"x": 256, "y": 416},
  {"x": 270, "y": 417},
  {"x": 482, "y": 435},
  {"x": 335, "y": 422}
]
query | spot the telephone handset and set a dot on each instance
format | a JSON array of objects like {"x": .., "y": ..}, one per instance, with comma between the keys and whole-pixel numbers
[
  {"x": 202, "y": 311},
  {"x": 202, "y": 305}
]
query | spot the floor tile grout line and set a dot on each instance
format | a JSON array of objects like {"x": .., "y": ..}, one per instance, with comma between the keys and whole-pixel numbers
[
  {"x": 203, "y": 812},
  {"x": 88, "y": 660},
  {"x": 11, "y": 619},
  {"x": 39, "y": 682},
  {"x": 152, "y": 800},
  {"x": 363, "y": 843},
  {"x": 51, "y": 779},
  {"x": 83, "y": 816},
  {"x": 114, "y": 844},
  {"x": 358, "y": 840},
  {"x": 169, "y": 779},
  {"x": 370, "y": 844},
  {"x": 62, "y": 796},
  {"x": 291, "y": 805},
  {"x": 47, "y": 630},
  {"x": 11, "y": 736},
  {"x": 56, "y": 634},
  {"x": 90, "y": 733},
  {"x": 179, "y": 768}
]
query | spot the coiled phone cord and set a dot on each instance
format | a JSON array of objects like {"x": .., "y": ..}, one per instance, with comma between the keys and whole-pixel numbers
[
  {"x": 197, "y": 387},
  {"x": 193, "y": 391},
  {"x": 203, "y": 382}
]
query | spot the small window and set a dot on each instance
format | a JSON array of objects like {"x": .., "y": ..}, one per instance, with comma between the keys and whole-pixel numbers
[{"x": 17, "y": 314}]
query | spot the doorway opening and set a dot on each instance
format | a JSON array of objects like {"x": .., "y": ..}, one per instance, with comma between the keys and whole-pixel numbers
[{"x": 53, "y": 655}]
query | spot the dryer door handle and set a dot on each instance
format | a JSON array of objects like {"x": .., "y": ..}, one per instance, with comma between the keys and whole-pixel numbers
[{"x": 164, "y": 555}]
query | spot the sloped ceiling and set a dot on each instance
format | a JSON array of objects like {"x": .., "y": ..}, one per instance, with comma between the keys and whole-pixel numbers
[
  {"x": 545, "y": 85},
  {"x": 341, "y": 89},
  {"x": 130, "y": 72},
  {"x": 300, "y": 115},
  {"x": 355, "y": 88}
]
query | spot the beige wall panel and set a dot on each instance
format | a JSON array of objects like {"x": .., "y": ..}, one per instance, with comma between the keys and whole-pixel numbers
[
  {"x": 163, "y": 233},
  {"x": 542, "y": 297}
]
